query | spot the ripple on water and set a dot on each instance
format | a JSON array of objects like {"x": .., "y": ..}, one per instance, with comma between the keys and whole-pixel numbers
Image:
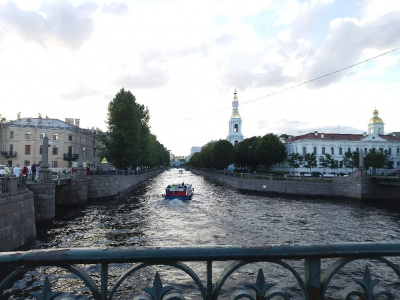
[{"x": 218, "y": 215}]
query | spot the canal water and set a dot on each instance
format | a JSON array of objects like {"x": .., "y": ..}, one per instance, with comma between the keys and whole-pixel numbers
[{"x": 217, "y": 215}]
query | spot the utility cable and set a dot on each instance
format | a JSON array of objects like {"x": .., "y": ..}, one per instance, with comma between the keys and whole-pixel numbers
[{"x": 300, "y": 84}]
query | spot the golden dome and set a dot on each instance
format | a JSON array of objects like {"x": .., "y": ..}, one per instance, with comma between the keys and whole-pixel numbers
[{"x": 375, "y": 120}]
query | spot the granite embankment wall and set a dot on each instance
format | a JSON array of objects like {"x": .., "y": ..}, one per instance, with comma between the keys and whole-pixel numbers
[
  {"x": 109, "y": 186},
  {"x": 354, "y": 186},
  {"x": 90, "y": 188},
  {"x": 17, "y": 218}
]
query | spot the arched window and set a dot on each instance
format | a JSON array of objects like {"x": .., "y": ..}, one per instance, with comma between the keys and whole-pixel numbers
[
  {"x": 236, "y": 128},
  {"x": 236, "y": 142}
]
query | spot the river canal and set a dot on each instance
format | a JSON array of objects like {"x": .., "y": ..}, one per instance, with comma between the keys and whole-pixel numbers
[{"x": 217, "y": 215}]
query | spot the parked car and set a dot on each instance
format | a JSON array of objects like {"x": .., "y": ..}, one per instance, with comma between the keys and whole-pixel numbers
[{"x": 316, "y": 174}]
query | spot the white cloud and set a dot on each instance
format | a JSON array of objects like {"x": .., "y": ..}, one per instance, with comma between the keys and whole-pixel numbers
[{"x": 55, "y": 22}]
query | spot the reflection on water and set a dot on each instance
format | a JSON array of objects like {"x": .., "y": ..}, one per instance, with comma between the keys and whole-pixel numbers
[{"x": 217, "y": 215}]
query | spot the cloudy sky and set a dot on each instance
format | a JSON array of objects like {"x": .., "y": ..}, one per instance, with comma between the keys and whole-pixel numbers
[{"x": 183, "y": 59}]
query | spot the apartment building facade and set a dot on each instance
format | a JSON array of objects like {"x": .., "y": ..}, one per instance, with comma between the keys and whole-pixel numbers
[{"x": 21, "y": 142}]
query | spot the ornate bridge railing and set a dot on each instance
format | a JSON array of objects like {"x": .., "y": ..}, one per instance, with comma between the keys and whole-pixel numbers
[{"x": 336, "y": 271}]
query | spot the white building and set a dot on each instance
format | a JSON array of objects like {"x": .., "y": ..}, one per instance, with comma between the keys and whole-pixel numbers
[
  {"x": 338, "y": 144},
  {"x": 235, "y": 123}
]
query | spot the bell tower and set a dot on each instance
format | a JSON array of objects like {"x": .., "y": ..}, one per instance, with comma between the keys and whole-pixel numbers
[
  {"x": 376, "y": 125},
  {"x": 235, "y": 123}
]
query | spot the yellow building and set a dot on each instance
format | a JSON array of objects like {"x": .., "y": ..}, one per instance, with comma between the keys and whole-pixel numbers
[{"x": 21, "y": 142}]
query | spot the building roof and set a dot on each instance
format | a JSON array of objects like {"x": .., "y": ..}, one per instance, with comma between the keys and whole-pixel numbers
[
  {"x": 45, "y": 123},
  {"x": 40, "y": 122},
  {"x": 337, "y": 137}
]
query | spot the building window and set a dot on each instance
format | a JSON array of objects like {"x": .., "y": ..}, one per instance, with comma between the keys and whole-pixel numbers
[
  {"x": 348, "y": 150},
  {"x": 55, "y": 150},
  {"x": 55, "y": 136},
  {"x": 323, "y": 150},
  {"x": 54, "y": 164},
  {"x": 381, "y": 150},
  {"x": 340, "y": 164},
  {"x": 42, "y": 135},
  {"x": 70, "y": 137},
  {"x": 236, "y": 128},
  {"x": 27, "y": 149},
  {"x": 315, "y": 150},
  {"x": 390, "y": 151},
  {"x": 332, "y": 150},
  {"x": 357, "y": 150},
  {"x": 41, "y": 150},
  {"x": 11, "y": 134},
  {"x": 27, "y": 135},
  {"x": 365, "y": 150},
  {"x": 10, "y": 148},
  {"x": 304, "y": 151},
  {"x": 340, "y": 151},
  {"x": 398, "y": 151}
]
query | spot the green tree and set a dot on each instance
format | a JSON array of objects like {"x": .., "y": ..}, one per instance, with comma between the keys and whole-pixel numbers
[
  {"x": 269, "y": 150},
  {"x": 351, "y": 159},
  {"x": 325, "y": 161},
  {"x": 389, "y": 163},
  {"x": 223, "y": 154},
  {"x": 244, "y": 153},
  {"x": 311, "y": 160},
  {"x": 374, "y": 159},
  {"x": 126, "y": 140},
  {"x": 295, "y": 160}
]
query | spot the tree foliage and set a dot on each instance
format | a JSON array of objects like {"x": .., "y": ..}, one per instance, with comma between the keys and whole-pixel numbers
[
  {"x": 250, "y": 153},
  {"x": 128, "y": 142},
  {"x": 351, "y": 159},
  {"x": 217, "y": 155},
  {"x": 374, "y": 159},
  {"x": 295, "y": 160},
  {"x": 269, "y": 150},
  {"x": 310, "y": 160},
  {"x": 325, "y": 161}
]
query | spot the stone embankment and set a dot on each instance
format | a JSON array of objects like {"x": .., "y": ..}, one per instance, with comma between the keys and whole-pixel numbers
[
  {"x": 21, "y": 208},
  {"x": 355, "y": 186},
  {"x": 17, "y": 216}
]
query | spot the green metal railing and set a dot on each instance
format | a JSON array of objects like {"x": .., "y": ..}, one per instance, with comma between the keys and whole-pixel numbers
[{"x": 282, "y": 271}]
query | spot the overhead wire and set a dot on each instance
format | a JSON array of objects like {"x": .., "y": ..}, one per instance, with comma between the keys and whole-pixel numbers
[{"x": 297, "y": 85}]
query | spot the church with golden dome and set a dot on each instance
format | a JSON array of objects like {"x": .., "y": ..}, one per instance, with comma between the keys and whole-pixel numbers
[{"x": 337, "y": 145}]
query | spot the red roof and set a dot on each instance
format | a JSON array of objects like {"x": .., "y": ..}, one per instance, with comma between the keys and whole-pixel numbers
[{"x": 337, "y": 136}]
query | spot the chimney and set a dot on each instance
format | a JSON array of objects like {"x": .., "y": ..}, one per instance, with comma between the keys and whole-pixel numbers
[
  {"x": 40, "y": 118},
  {"x": 77, "y": 122},
  {"x": 19, "y": 116},
  {"x": 69, "y": 121}
]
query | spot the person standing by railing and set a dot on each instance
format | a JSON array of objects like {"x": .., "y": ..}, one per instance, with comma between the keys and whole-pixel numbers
[
  {"x": 33, "y": 170},
  {"x": 17, "y": 172}
]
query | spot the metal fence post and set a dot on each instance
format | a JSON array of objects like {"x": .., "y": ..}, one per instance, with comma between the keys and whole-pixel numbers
[{"x": 313, "y": 277}]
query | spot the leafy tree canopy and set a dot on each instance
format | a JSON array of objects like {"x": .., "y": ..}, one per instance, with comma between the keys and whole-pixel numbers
[{"x": 128, "y": 142}]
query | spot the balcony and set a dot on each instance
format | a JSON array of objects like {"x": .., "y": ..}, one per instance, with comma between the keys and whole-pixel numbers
[
  {"x": 71, "y": 157},
  {"x": 8, "y": 154},
  {"x": 289, "y": 272}
]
